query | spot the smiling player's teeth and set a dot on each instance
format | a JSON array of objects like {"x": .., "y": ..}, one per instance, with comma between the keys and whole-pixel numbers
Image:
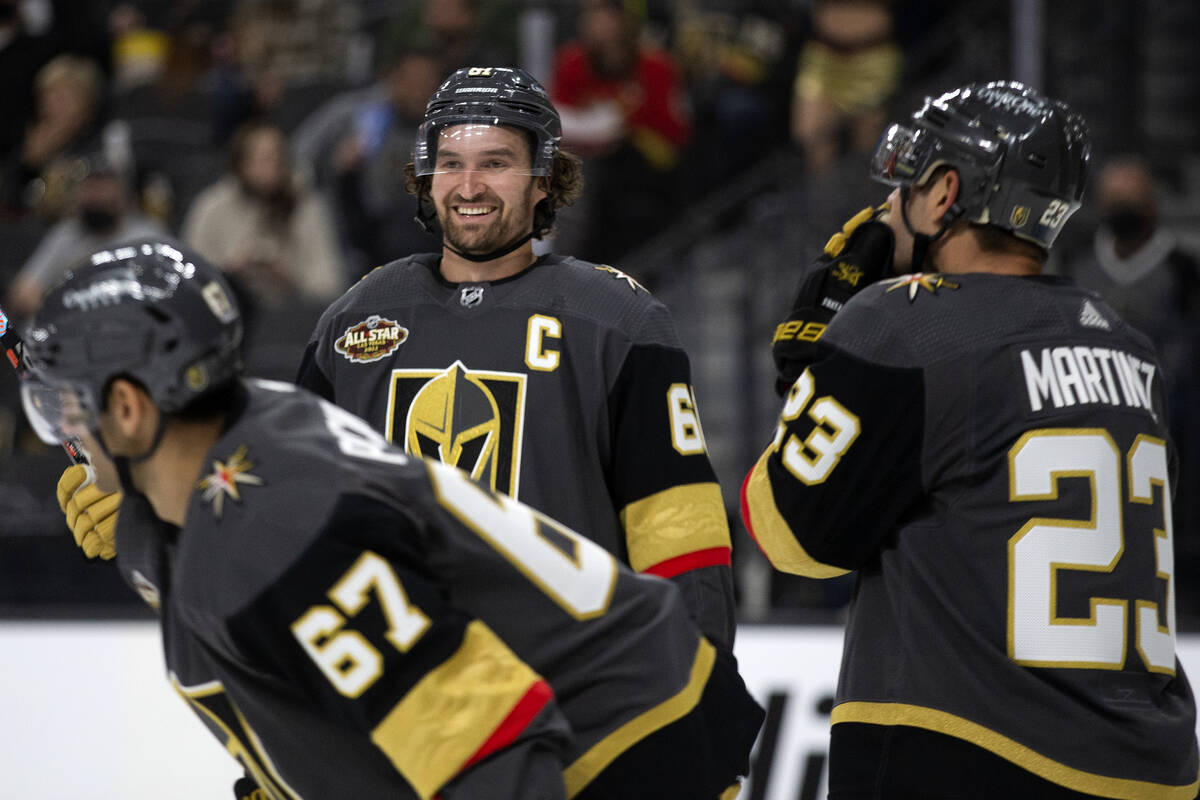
[{"x": 473, "y": 212}]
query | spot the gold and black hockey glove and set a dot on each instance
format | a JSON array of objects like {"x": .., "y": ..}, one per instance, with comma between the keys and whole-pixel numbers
[
  {"x": 855, "y": 257},
  {"x": 91, "y": 514}
]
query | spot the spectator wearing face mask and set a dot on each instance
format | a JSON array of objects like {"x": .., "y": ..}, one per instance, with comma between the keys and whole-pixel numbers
[
  {"x": 1136, "y": 264},
  {"x": 104, "y": 214}
]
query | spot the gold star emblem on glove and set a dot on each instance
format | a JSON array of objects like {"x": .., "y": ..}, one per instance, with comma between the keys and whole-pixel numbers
[
  {"x": 224, "y": 479},
  {"x": 930, "y": 282}
]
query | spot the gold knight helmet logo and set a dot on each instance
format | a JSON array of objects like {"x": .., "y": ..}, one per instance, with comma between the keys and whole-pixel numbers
[{"x": 455, "y": 419}]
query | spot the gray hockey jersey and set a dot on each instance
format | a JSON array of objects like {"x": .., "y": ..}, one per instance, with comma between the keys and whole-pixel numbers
[
  {"x": 350, "y": 621},
  {"x": 990, "y": 454},
  {"x": 563, "y": 386}
]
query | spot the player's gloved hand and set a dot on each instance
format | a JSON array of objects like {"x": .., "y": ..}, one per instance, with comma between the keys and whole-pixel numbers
[
  {"x": 246, "y": 789},
  {"x": 91, "y": 514},
  {"x": 855, "y": 257}
]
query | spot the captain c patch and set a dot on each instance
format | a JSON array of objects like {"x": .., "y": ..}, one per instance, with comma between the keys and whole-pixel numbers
[{"x": 370, "y": 340}]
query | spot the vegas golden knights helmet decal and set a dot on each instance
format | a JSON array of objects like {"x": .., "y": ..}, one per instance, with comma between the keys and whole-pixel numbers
[{"x": 470, "y": 419}]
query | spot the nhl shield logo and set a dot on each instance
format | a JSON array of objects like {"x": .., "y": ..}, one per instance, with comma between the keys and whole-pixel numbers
[
  {"x": 471, "y": 296},
  {"x": 370, "y": 340}
]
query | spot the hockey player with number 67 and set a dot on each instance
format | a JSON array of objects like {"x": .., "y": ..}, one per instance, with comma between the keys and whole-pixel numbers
[{"x": 349, "y": 620}]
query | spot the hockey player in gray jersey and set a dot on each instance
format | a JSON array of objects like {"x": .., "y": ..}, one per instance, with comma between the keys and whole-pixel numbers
[
  {"x": 555, "y": 381},
  {"x": 987, "y": 447},
  {"x": 351, "y": 621}
]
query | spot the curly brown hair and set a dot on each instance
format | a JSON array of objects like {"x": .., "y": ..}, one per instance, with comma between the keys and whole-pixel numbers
[{"x": 565, "y": 186}]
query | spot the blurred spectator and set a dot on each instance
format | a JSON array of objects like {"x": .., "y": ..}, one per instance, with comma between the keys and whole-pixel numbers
[
  {"x": 268, "y": 230},
  {"x": 463, "y": 33},
  {"x": 139, "y": 49},
  {"x": 738, "y": 61},
  {"x": 849, "y": 68},
  {"x": 625, "y": 111},
  {"x": 1137, "y": 265},
  {"x": 39, "y": 175},
  {"x": 243, "y": 86},
  {"x": 296, "y": 41},
  {"x": 357, "y": 145},
  {"x": 104, "y": 214},
  {"x": 21, "y": 56}
]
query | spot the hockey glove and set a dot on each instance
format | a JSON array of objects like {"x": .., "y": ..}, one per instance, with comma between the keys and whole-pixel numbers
[
  {"x": 855, "y": 257},
  {"x": 91, "y": 513}
]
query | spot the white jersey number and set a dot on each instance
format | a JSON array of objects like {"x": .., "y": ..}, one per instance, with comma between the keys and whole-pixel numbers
[
  {"x": 348, "y": 660},
  {"x": 576, "y": 573},
  {"x": 813, "y": 459},
  {"x": 1037, "y": 636}
]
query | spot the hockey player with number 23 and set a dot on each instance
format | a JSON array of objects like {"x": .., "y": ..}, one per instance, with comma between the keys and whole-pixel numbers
[
  {"x": 986, "y": 446},
  {"x": 348, "y": 620}
]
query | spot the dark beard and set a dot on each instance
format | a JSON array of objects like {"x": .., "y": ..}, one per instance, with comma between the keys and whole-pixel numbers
[{"x": 494, "y": 238}]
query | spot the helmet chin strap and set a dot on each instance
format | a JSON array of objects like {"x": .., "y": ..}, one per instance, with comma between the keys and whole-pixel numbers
[
  {"x": 923, "y": 242},
  {"x": 503, "y": 251},
  {"x": 122, "y": 462}
]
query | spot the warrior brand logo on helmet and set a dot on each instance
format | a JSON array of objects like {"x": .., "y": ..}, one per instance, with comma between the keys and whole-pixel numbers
[
  {"x": 1006, "y": 99},
  {"x": 109, "y": 292}
]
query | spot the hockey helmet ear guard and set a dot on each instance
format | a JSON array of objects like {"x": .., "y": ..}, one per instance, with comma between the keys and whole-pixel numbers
[
  {"x": 489, "y": 96},
  {"x": 1022, "y": 158}
]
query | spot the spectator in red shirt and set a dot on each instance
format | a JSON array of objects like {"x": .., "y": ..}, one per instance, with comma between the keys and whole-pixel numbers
[{"x": 625, "y": 111}]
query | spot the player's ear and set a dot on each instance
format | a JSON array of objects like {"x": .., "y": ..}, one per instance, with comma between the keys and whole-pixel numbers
[
  {"x": 128, "y": 406},
  {"x": 945, "y": 191}
]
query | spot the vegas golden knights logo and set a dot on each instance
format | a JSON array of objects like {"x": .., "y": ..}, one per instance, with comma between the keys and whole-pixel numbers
[{"x": 470, "y": 419}]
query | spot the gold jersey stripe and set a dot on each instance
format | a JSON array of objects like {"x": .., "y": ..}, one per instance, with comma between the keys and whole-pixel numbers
[
  {"x": 771, "y": 531},
  {"x": 604, "y": 752},
  {"x": 674, "y": 522},
  {"x": 452, "y": 711},
  {"x": 951, "y": 725}
]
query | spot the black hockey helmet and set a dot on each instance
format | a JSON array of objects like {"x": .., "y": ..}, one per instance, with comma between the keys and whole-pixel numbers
[
  {"x": 490, "y": 96},
  {"x": 1022, "y": 158},
  {"x": 148, "y": 309}
]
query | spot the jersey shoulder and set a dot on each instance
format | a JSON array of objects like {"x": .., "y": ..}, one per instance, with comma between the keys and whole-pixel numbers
[
  {"x": 918, "y": 319},
  {"x": 607, "y": 296},
  {"x": 263, "y": 498},
  {"x": 395, "y": 281}
]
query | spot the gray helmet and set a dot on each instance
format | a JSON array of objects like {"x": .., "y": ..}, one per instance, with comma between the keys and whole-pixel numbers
[
  {"x": 1022, "y": 158},
  {"x": 150, "y": 310},
  {"x": 490, "y": 96}
]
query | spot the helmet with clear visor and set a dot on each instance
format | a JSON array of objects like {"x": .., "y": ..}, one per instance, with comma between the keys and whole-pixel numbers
[
  {"x": 477, "y": 98},
  {"x": 1022, "y": 159},
  {"x": 148, "y": 310}
]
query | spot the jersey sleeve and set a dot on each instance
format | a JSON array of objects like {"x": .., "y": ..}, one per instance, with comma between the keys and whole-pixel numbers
[
  {"x": 843, "y": 467},
  {"x": 312, "y": 375},
  {"x": 663, "y": 485},
  {"x": 366, "y": 634}
]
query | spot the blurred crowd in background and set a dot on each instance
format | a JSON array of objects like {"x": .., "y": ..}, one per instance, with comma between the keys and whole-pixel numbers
[{"x": 723, "y": 141}]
